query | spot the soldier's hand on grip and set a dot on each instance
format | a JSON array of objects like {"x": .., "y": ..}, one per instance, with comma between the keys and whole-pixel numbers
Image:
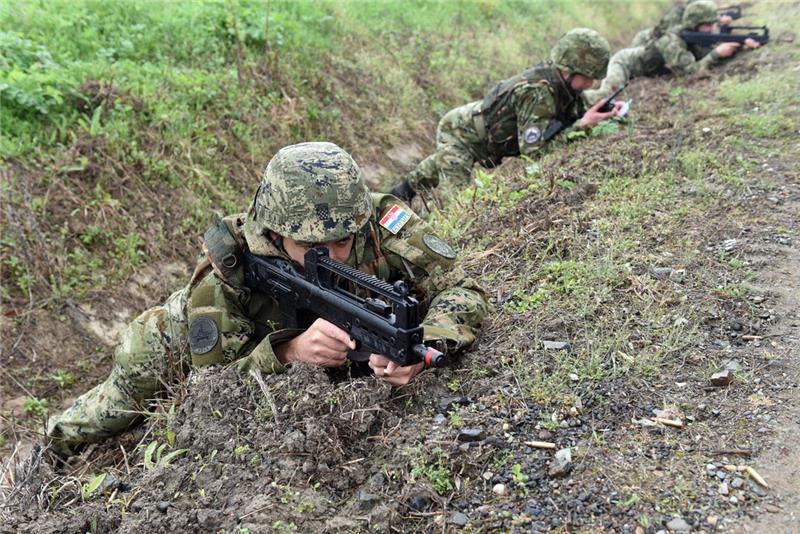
[{"x": 323, "y": 344}]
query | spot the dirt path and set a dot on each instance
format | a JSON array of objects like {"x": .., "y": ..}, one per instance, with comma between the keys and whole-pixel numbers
[{"x": 780, "y": 465}]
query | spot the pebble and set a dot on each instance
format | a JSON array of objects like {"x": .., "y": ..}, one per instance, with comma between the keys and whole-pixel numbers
[
  {"x": 545, "y": 435},
  {"x": 771, "y": 508},
  {"x": 445, "y": 403},
  {"x": 439, "y": 418},
  {"x": 733, "y": 500},
  {"x": 418, "y": 502},
  {"x": 710, "y": 468},
  {"x": 758, "y": 490},
  {"x": 639, "y": 530},
  {"x": 561, "y": 464},
  {"x": 722, "y": 475},
  {"x": 499, "y": 489},
  {"x": 471, "y": 434},
  {"x": 721, "y": 378},
  {"x": 723, "y": 489},
  {"x": 712, "y": 520},
  {"x": 678, "y": 525},
  {"x": 662, "y": 272},
  {"x": 458, "y": 519},
  {"x": 737, "y": 483},
  {"x": 556, "y": 345},
  {"x": 163, "y": 506},
  {"x": 487, "y": 476},
  {"x": 365, "y": 500}
]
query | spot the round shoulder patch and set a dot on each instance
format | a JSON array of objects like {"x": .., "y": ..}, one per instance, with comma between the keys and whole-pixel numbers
[
  {"x": 203, "y": 335},
  {"x": 532, "y": 134},
  {"x": 438, "y": 246}
]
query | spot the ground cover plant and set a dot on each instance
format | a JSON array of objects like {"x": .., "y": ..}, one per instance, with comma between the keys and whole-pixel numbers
[{"x": 625, "y": 270}]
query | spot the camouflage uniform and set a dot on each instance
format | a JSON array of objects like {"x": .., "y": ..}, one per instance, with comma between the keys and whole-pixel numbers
[
  {"x": 672, "y": 17},
  {"x": 513, "y": 117},
  {"x": 661, "y": 54},
  {"x": 217, "y": 320}
]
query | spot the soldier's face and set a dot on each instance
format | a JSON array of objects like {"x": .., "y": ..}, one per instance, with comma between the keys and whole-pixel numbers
[
  {"x": 581, "y": 83},
  {"x": 708, "y": 28},
  {"x": 338, "y": 250}
]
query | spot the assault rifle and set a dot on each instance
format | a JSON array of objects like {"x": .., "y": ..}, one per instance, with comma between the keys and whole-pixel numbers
[
  {"x": 727, "y": 34},
  {"x": 388, "y": 325}
]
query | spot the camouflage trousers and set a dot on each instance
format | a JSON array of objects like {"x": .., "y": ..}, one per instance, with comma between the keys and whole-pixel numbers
[
  {"x": 148, "y": 358},
  {"x": 459, "y": 146},
  {"x": 623, "y": 66}
]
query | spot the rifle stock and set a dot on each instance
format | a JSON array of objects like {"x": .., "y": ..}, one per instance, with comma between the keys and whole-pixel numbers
[{"x": 387, "y": 324}]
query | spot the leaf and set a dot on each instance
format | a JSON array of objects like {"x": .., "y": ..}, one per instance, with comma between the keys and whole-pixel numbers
[
  {"x": 90, "y": 487},
  {"x": 160, "y": 451},
  {"x": 171, "y": 456},
  {"x": 171, "y": 438},
  {"x": 94, "y": 129},
  {"x": 148, "y": 455}
]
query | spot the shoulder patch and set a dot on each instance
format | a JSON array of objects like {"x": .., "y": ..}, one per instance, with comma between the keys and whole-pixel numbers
[
  {"x": 438, "y": 246},
  {"x": 203, "y": 335},
  {"x": 395, "y": 218},
  {"x": 532, "y": 135}
]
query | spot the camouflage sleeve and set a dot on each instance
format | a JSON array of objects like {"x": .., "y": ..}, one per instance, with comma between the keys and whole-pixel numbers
[
  {"x": 221, "y": 332},
  {"x": 679, "y": 59},
  {"x": 456, "y": 303},
  {"x": 536, "y": 110}
]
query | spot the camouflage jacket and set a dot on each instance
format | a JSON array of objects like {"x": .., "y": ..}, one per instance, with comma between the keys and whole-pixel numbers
[
  {"x": 517, "y": 112},
  {"x": 672, "y": 54},
  {"x": 248, "y": 323}
]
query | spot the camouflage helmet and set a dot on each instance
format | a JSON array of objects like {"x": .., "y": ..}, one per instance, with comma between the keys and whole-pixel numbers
[
  {"x": 582, "y": 51},
  {"x": 311, "y": 192},
  {"x": 700, "y": 12}
]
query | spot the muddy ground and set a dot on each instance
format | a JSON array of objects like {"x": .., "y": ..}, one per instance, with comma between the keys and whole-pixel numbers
[{"x": 313, "y": 451}]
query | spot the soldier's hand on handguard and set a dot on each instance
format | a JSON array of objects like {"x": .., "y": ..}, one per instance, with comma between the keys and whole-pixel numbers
[
  {"x": 727, "y": 49},
  {"x": 323, "y": 344},
  {"x": 593, "y": 117},
  {"x": 386, "y": 369},
  {"x": 751, "y": 43}
]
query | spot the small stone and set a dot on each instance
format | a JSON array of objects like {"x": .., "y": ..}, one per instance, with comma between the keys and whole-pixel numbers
[
  {"x": 706, "y": 131},
  {"x": 471, "y": 434},
  {"x": 561, "y": 464},
  {"x": 710, "y": 468},
  {"x": 458, "y": 519},
  {"x": 365, "y": 500},
  {"x": 733, "y": 500},
  {"x": 574, "y": 377},
  {"x": 737, "y": 483},
  {"x": 758, "y": 490},
  {"x": 639, "y": 530},
  {"x": 545, "y": 435},
  {"x": 445, "y": 403},
  {"x": 731, "y": 365},
  {"x": 771, "y": 508},
  {"x": 506, "y": 427},
  {"x": 556, "y": 345},
  {"x": 418, "y": 503},
  {"x": 678, "y": 525},
  {"x": 721, "y": 378},
  {"x": 701, "y": 407},
  {"x": 163, "y": 506},
  {"x": 439, "y": 418},
  {"x": 661, "y": 272},
  {"x": 712, "y": 520},
  {"x": 487, "y": 476},
  {"x": 499, "y": 489},
  {"x": 723, "y": 489},
  {"x": 722, "y": 475}
]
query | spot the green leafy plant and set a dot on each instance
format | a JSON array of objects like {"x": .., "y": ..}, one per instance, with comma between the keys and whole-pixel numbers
[
  {"x": 89, "y": 488},
  {"x": 35, "y": 407},
  {"x": 154, "y": 455}
]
